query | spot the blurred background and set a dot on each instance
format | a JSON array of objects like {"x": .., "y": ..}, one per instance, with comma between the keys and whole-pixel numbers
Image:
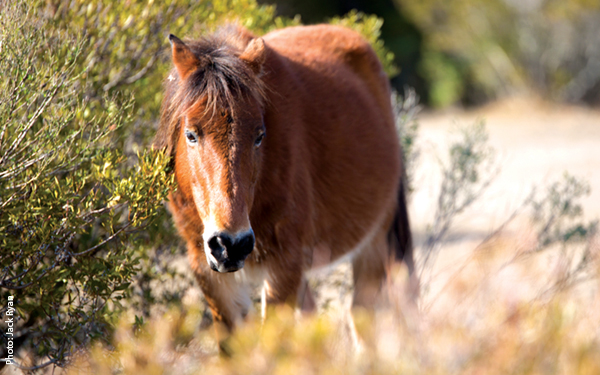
[{"x": 468, "y": 52}]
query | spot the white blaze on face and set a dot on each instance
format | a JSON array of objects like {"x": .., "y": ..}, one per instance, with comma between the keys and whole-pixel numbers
[
  {"x": 201, "y": 201},
  {"x": 211, "y": 199},
  {"x": 210, "y": 230}
]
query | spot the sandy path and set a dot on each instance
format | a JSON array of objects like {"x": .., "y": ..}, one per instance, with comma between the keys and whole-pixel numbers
[{"x": 535, "y": 143}]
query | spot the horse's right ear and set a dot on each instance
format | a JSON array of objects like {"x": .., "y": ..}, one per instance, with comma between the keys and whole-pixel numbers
[{"x": 183, "y": 58}]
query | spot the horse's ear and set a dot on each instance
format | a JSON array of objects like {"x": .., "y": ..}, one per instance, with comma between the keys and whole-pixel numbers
[
  {"x": 254, "y": 55},
  {"x": 183, "y": 58}
]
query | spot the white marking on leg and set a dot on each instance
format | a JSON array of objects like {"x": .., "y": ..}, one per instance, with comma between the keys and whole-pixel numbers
[
  {"x": 263, "y": 301},
  {"x": 356, "y": 341}
]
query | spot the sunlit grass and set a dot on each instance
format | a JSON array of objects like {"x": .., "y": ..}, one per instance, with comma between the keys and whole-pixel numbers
[{"x": 491, "y": 317}]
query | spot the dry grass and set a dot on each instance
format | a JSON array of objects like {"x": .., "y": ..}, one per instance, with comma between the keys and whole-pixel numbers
[{"x": 493, "y": 314}]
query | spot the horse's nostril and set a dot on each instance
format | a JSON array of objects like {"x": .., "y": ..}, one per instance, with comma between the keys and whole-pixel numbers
[
  {"x": 223, "y": 247},
  {"x": 219, "y": 245},
  {"x": 244, "y": 245}
]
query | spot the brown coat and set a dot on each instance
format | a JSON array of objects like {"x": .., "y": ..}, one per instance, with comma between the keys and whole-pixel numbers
[{"x": 284, "y": 147}]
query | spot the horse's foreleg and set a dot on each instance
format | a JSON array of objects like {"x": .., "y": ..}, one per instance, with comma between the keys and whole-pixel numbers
[
  {"x": 288, "y": 286},
  {"x": 305, "y": 300},
  {"x": 229, "y": 302}
]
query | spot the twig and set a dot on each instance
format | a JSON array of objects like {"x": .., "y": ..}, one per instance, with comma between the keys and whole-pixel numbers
[
  {"x": 493, "y": 234},
  {"x": 101, "y": 243},
  {"x": 19, "y": 287},
  {"x": 32, "y": 121},
  {"x": 143, "y": 71},
  {"x": 33, "y": 368}
]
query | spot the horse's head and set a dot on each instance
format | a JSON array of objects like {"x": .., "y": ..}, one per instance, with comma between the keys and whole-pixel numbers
[{"x": 216, "y": 111}]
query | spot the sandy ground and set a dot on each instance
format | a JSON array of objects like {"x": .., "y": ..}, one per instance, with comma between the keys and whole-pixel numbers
[{"x": 535, "y": 143}]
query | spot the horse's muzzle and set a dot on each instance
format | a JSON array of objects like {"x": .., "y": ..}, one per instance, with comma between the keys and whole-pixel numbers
[{"x": 226, "y": 253}]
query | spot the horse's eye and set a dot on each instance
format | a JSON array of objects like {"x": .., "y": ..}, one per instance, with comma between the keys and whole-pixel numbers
[
  {"x": 259, "y": 139},
  {"x": 191, "y": 136}
]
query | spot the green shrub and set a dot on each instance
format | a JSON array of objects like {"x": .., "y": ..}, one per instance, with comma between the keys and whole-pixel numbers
[
  {"x": 69, "y": 204},
  {"x": 559, "y": 222},
  {"x": 470, "y": 169}
]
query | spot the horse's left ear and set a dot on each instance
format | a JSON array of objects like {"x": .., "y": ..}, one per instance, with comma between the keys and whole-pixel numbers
[{"x": 254, "y": 55}]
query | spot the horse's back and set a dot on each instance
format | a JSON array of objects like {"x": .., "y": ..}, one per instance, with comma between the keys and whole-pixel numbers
[
  {"x": 326, "y": 48},
  {"x": 328, "y": 89}
]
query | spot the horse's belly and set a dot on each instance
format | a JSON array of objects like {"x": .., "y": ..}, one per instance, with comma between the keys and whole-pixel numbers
[{"x": 356, "y": 179}]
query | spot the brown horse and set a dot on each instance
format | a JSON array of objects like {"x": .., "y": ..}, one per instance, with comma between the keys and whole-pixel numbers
[{"x": 286, "y": 157}]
